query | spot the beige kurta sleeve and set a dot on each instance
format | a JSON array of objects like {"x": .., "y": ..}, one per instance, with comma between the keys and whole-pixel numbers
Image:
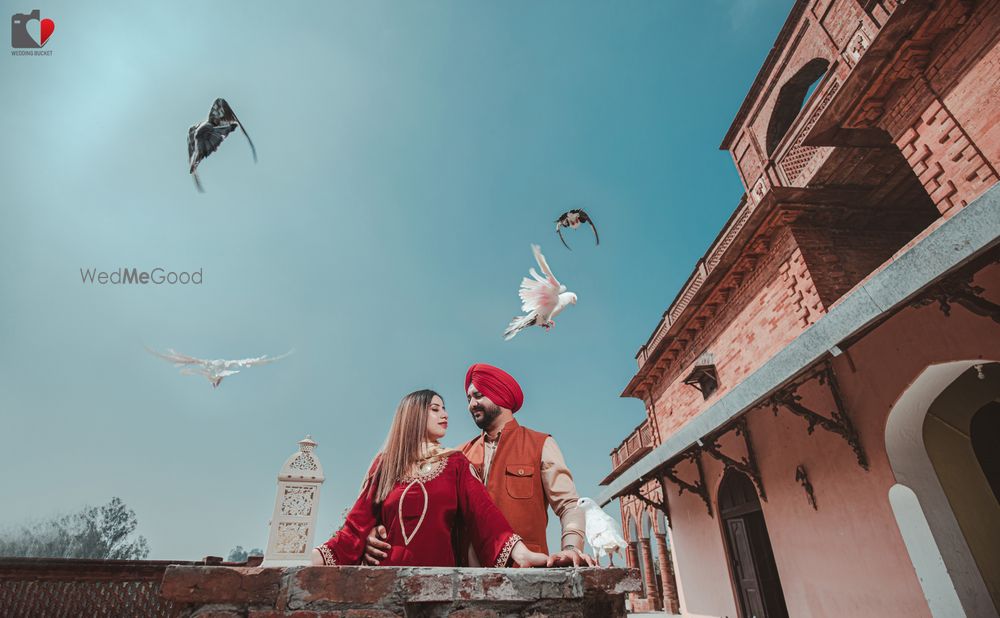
[{"x": 560, "y": 491}]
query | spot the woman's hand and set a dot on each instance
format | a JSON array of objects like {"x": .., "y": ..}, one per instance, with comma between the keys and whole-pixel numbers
[
  {"x": 317, "y": 558},
  {"x": 524, "y": 557}
]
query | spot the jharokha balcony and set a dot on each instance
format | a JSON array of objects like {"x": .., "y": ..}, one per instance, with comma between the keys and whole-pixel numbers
[{"x": 631, "y": 450}]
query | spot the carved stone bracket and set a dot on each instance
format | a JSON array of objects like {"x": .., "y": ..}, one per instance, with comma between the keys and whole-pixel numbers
[
  {"x": 747, "y": 465},
  {"x": 960, "y": 291},
  {"x": 838, "y": 422},
  {"x": 662, "y": 505},
  {"x": 699, "y": 487}
]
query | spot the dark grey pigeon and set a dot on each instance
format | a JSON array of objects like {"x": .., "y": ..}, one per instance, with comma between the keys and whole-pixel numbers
[
  {"x": 572, "y": 219},
  {"x": 205, "y": 137}
]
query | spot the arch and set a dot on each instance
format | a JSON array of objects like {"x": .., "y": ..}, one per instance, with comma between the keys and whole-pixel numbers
[
  {"x": 941, "y": 556},
  {"x": 649, "y": 536},
  {"x": 636, "y": 552},
  {"x": 751, "y": 559},
  {"x": 984, "y": 429},
  {"x": 633, "y": 529},
  {"x": 647, "y": 525},
  {"x": 791, "y": 98}
]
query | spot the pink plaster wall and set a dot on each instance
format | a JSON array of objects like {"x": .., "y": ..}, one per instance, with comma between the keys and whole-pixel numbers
[{"x": 847, "y": 558}]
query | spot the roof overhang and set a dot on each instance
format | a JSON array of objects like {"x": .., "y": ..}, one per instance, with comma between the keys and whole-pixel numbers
[{"x": 970, "y": 233}]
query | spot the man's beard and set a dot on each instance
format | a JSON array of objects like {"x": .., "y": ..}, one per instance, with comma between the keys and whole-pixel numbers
[{"x": 488, "y": 416}]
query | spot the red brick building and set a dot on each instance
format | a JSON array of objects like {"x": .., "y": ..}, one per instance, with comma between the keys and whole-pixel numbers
[{"x": 823, "y": 395}]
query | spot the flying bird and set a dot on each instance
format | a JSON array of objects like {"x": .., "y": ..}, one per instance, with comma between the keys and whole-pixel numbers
[
  {"x": 205, "y": 137},
  {"x": 603, "y": 533},
  {"x": 214, "y": 370},
  {"x": 573, "y": 219},
  {"x": 542, "y": 298}
]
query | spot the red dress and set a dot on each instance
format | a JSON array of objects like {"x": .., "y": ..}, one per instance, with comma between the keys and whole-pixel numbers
[{"x": 420, "y": 514}]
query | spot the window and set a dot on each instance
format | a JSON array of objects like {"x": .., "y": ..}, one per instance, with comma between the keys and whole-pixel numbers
[
  {"x": 791, "y": 98},
  {"x": 704, "y": 377}
]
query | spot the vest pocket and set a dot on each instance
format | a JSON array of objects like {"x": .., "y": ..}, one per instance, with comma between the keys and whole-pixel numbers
[{"x": 520, "y": 481}]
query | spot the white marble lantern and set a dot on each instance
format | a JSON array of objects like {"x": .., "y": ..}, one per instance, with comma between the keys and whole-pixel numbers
[{"x": 293, "y": 522}]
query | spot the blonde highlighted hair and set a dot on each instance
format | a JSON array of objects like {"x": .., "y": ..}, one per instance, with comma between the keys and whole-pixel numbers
[{"x": 406, "y": 445}]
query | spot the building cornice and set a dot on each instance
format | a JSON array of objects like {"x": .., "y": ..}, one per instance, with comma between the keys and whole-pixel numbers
[{"x": 969, "y": 234}]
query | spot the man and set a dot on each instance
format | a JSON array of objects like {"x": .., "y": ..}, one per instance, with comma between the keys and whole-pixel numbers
[{"x": 523, "y": 470}]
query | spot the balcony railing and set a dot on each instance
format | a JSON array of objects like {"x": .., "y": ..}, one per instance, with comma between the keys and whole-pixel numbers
[{"x": 631, "y": 450}]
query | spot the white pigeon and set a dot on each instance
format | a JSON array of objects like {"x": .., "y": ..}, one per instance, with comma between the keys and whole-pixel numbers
[
  {"x": 214, "y": 370},
  {"x": 542, "y": 298},
  {"x": 603, "y": 533}
]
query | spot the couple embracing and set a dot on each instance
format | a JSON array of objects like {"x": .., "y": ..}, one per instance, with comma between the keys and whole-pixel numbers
[{"x": 483, "y": 504}]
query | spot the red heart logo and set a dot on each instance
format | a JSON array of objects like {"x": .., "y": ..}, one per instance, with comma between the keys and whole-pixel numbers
[{"x": 48, "y": 27}]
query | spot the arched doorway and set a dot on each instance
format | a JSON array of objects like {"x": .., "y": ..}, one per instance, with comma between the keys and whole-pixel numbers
[
  {"x": 751, "y": 560},
  {"x": 941, "y": 438}
]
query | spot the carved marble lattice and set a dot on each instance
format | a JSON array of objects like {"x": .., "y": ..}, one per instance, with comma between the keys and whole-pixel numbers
[
  {"x": 293, "y": 521},
  {"x": 292, "y": 538},
  {"x": 304, "y": 461},
  {"x": 297, "y": 500}
]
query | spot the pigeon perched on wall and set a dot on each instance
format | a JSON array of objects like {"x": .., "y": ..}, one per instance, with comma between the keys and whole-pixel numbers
[
  {"x": 603, "y": 533},
  {"x": 572, "y": 219},
  {"x": 214, "y": 370},
  {"x": 542, "y": 298},
  {"x": 205, "y": 137}
]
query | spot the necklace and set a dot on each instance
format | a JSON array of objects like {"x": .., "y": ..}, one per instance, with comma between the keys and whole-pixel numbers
[{"x": 402, "y": 528}]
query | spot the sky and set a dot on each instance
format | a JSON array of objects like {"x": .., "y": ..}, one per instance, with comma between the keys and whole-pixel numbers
[{"x": 409, "y": 155}]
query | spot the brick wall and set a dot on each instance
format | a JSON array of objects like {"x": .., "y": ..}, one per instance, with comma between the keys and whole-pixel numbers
[
  {"x": 770, "y": 308},
  {"x": 384, "y": 592}
]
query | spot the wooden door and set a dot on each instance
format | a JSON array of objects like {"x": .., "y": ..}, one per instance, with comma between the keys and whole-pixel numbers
[
  {"x": 744, "y": 572},
  {"x": 751, "y": 559}
]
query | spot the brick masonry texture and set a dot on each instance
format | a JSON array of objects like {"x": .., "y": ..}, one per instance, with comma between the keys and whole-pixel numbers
[{"x": 366, "y": 592}]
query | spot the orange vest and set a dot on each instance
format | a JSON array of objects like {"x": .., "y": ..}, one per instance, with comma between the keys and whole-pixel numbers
[{"x": 515, "y": 481}]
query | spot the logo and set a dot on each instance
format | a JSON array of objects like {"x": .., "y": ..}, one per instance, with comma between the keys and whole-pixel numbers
[
  {"x": 29, "y": 31},
  {"x": 125, "y": 276}
]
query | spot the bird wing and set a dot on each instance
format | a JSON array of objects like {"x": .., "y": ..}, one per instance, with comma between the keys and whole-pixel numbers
[
  {"x": 177, "y": 359},
  {"x": 585, "y": 217},
  {"x": 221, "y": 112},
  {"x": 208, "y": 138},
  {"x": 544, "y": 265},
  {"x": 191, "y": 142},
  {"x": 538, "y": 296},
  {"x": 258, "y": 360},
  {"x": 559, "y": 231}
]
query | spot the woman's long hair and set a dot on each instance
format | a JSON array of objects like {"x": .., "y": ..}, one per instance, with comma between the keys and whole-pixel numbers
[{"x": 404, "y": 446}]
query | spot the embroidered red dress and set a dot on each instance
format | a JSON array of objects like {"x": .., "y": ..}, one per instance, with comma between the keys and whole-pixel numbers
[{"x": 420, "y": 514}]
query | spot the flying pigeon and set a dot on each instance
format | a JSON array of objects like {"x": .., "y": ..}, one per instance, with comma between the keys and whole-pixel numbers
[
  {"x": 603, "y": 533},
  {"x": 543, "y": 298},
  {"x": 205, "y": 137},
  {"x": 214, "y": 370},
  {"x": 573, "y": 219}
]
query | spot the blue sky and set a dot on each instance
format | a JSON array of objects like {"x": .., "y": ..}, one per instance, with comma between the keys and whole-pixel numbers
[{"x": 410, "y": 152}]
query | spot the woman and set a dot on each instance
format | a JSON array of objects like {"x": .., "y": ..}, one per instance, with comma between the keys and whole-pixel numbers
[{"x": 421, "y": 493}]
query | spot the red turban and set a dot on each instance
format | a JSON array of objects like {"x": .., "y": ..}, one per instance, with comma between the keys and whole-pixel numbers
[{"x": 497, "y": 384}]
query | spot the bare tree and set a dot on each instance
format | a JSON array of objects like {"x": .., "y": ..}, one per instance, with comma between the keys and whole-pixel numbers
[{"x": 105, "y": 532}]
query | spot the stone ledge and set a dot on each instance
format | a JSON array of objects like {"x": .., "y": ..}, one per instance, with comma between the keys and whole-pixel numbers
[
  {"x": 360, "y": 592},
  {"x": 219, "y": 584}
]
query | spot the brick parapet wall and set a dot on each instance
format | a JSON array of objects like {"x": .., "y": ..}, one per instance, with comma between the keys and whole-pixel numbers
[
  {"x": 376, "y": 592},
  {"x": 74, "y": 587}
]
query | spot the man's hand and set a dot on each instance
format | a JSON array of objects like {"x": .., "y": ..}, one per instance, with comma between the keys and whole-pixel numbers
[
  {"x": 570, "y": 556},
  {"x": 376, "y": 549}
]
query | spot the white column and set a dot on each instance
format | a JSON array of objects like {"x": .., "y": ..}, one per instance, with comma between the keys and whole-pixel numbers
[{"x": 293, "y": 522}]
